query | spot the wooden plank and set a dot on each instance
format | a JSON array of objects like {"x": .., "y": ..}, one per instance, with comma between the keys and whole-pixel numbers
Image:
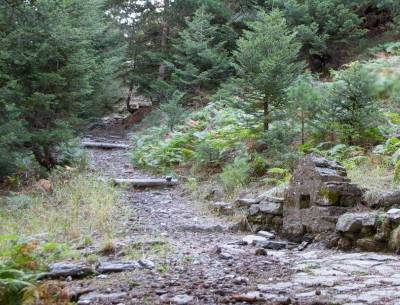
[
  {"x": 104, "y": 145},
  {"x": 146, "y": 182}
]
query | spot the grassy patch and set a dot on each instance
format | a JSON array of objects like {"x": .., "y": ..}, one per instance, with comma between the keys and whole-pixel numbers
[
  {"x": 375, "y": 174},
  {"x": 77, "y": 210}
]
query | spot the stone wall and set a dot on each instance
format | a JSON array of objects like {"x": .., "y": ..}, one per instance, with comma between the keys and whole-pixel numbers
[
  {"x": 318, "y": 193},
  {"x": 320, "y": 201}
]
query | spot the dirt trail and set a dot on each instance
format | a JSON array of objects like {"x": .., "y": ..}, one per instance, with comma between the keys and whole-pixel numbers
[{"x": 199, "y": 260}]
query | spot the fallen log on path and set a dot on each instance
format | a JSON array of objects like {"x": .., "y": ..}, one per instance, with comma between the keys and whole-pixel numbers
[
  {"x": 104, "y": 145},
  {"x": 146, "y": 182}
]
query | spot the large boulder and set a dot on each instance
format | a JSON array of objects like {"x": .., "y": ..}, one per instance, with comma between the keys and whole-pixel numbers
[
  {"x": 354, "y": 222},
  {"x": 387, "y": 200}
]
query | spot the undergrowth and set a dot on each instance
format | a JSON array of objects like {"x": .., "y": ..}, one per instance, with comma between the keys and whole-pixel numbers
[{"x": 40, "y": 226}]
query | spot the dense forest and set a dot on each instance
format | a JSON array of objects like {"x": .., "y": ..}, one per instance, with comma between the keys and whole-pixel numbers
[
  {"x": 66, "y": 62},
  {"x": 240, "y": 92}
]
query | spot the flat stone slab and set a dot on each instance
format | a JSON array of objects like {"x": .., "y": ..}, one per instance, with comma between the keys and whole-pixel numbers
[
  {"x": 266, "y": 234},
  {"x": 273, "y": 245},
  {"x": 92, "y": 299},
  {"x": 104, "y": 145},
  {"x": 111, "y": 267},
  {"x": 198, "y": 228},
  {"x": 68, "y": 269},
  {"x": 254, "y": 240},
  {"x": 146, "y": 182}
]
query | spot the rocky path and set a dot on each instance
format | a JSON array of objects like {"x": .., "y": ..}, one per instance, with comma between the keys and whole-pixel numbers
[{"x": 188, "y": 256}]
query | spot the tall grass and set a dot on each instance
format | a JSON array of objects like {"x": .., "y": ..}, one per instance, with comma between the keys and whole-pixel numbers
[{"x": 79, "y": 208}]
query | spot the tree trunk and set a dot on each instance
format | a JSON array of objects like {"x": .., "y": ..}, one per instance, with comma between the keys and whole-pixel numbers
[
  {"x": 302, "y": 128},
  {"x": 44, "y": 156},
  {"x": 128, "y": 99},
  {"x": 164, "y": 40},
  {"x": 266, "y": 114}
]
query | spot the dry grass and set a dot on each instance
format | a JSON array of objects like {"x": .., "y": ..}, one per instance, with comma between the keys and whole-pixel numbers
[
  {"x": 375, "y": 175},
  {"x": 78, "y": 210}
]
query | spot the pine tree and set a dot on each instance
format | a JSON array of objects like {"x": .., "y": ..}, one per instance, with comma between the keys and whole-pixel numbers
[
  {"x": 305, "y": 100},
  {"x": 353, "y": 103},
  {"x": 266, "y": 61},
  {"x": 199, "y": 63},
  {"x": 57, "y": 68}
]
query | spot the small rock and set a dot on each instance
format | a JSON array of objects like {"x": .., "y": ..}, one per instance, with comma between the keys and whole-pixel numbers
[
  {"x": 261, "y": 252},
  {"x": 182, "y": 299},
  {"x": 240, "y": 280},
  {"x": 318, "y": 291},
  {"x": 250, "y": 297},
  {"x": 225, "y": 255},
  {"x": 45, "y": 185},
  {"x": 303, "y": 245},
  {"x": 147, "y": 264},
  {"x": 223, "y": 208},
  {"x": 393, "y": 215}
]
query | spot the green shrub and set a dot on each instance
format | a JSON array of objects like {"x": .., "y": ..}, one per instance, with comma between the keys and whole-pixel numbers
[
  {"x": 209, "y": 138},
  {"x": 396, "y": 175},
  {"x": 14, "y": 286},
  {"x": 235, "y": 175},
  {"x": 258, "y": 166}
]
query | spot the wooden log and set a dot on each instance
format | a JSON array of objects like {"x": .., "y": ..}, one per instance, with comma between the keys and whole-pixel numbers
[
  {"x": 104, "y": 145},
  {"x": 147, "y": 182}
]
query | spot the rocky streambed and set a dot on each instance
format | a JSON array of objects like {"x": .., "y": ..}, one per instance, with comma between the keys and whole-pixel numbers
[{"x": 170, "y": 252}]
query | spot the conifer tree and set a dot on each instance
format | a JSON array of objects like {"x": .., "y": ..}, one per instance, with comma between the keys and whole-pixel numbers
[
  {"x": 305, "y": 100},
  {"x": 199, "y": 62},
  {"x": 266, "y": 61},
  {"x": 353, "y": 103},
  {"x": 56, "y": 68}
]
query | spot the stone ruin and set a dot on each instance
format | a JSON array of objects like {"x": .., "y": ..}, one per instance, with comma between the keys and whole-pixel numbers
[
  {"x": 321, "y": 202},
  {"x": 318, "y": 193}
]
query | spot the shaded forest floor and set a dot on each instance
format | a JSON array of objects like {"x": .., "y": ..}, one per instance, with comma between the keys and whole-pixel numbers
[{"x": 193, "y": 257}]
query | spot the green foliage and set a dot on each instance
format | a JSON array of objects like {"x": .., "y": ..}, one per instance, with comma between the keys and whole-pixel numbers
[
  {"x": 57, "y": 79},
  {"x": 266, "y": 61},
  {"x": 199, "y": 62},
  {"x": 173, "y": 110},
  {"x": 353, "y": 104},
  {"x": 321, "y": 24},
  {"x": 391, "y": 146},
  {"x": 396, "y": 175},
  {"x": 14, "y": 286},
  {"x": 208, "y": 138},
  {"x": 258, "y": 165},
  {"x": 236, "y": 174},
  {"x": 305, "y": 99},
  {"x": 19, "y": 264}
]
